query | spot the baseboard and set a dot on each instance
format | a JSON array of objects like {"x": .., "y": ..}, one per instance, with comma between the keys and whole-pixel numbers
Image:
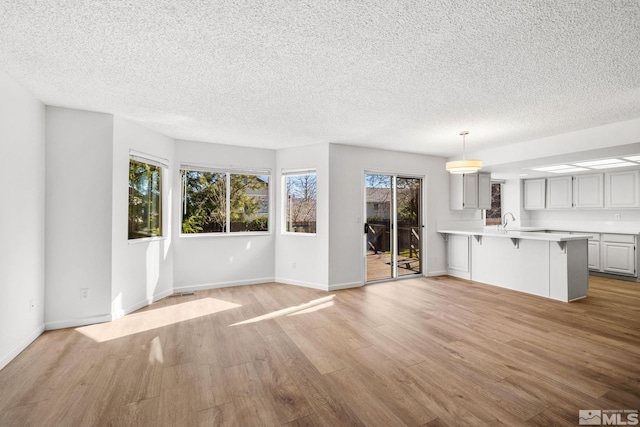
[
  {"x": 205, "y": 286},
  {"x": 436, "y": 273},
  {"x": 339, "y": 286},
  {"x": 145, "y": 302},
  {"x": 20, "y": 347},
  {"x": 73, "y": 323},
  {"x": 302, "y": 283}
]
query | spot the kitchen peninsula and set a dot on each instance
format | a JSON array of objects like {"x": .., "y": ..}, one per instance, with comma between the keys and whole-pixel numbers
[{"x": 551, "y": 265}]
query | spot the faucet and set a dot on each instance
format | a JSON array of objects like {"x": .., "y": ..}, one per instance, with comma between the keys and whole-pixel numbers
[{"x": 505, "y": 219}]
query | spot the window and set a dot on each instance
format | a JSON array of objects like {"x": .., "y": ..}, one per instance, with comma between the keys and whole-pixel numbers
[
  {"x": 224, "y": 201},
  {"x": 494, "y": 215},
  {"x": 145, "y": 199},
  {"x": 300, "y": 202}
]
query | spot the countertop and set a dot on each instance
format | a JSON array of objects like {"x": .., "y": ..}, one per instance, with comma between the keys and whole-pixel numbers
[{"x": 529, "y": 233}]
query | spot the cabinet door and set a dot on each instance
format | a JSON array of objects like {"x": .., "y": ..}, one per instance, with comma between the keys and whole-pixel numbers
[
  {"x": 534, "y": 193},
  {"x": 593, "y": 250},
  {"x": 458, "y": 255},
  {"x": 588, "y": 191},
  {"x": 560, "y": 192},
  {"x": 484, "y": 191},
  {"x": 470, "y": 191},
  {"x": 618, "y": 258},
  {"x": 622, "y": 189}
]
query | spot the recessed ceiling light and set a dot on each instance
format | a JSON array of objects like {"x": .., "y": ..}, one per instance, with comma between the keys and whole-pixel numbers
[
  {"x": 602, "y": 162},
  {"x": 569, "y": 169},
  {"x": 633, "y": 158},
  {"x": 615, "y": 165},
  {"x": 551, "y": 168}
]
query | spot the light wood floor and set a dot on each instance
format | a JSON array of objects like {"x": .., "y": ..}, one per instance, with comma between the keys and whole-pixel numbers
[{"x": 415, "y": 352}]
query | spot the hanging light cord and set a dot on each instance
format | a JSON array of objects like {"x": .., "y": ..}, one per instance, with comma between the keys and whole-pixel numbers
[{"x": 464, "y": 133}]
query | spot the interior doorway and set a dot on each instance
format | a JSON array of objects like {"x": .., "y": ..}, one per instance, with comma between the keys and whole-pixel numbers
[{"x": 393, "y": 226}]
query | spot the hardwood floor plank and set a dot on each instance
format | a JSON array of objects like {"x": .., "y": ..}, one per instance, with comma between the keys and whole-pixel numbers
[{"x": 422, "y": 351}]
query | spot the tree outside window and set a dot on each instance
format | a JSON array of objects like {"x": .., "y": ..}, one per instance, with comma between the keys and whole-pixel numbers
[
  {"x": 300, "y": 203},
  {"x": 145, "y": 200},
  {"x": 223, "y": 202}
]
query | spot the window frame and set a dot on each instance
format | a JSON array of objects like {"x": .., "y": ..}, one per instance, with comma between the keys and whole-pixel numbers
[
  {"x": 227, "y": 172},
  {"x": 297, "y": 172},
  {"x": 163, "y": 166},
  {"x": 484, "y": 211}
]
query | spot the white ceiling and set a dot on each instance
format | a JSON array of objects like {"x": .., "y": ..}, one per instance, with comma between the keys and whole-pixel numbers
[{"x": 404, "y": 75}]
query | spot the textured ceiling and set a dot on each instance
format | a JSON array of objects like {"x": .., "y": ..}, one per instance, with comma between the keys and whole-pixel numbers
[{"x": 404, "y": 75}]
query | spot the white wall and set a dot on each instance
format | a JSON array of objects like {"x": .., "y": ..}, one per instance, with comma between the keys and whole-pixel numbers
[
  {"x": 142, "y": 270},
  {"x": 304, "y": 259},
  {"x": 347, "y": 167},
  {"x": 79, "y": 151},
  {"x": 22, "y": 191},
  {"x": 202, "y": 262},
  {"x": 599, "y": 137}
]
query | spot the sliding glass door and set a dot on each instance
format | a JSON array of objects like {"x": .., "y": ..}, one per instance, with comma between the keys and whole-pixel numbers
[{"x": 393, "y": 209}]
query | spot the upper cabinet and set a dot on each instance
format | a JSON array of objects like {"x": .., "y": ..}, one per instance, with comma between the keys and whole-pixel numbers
[
  {"x": 534, "y": 193},
  {"x": 484, "y": 191},
  {"x": 470, "y": 191},
  {"x": 622, "y": 189},
  {"x": 560, "y": 192},
  {"x": 568, "y": 192},
  {"x": 588, "y": 190}
]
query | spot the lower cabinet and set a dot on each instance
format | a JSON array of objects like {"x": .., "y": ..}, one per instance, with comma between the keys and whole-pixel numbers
[
  {"x": 459, "y": 256},
  {"x": 618, "y": 254},
  {"x": 593, "y": 250},
  {"x": 613, "y": 254}
]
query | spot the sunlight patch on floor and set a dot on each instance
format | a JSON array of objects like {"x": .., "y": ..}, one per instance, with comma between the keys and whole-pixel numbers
[
  {"x": 156, "y": 318},
  {"x": 314, "y": 305}
]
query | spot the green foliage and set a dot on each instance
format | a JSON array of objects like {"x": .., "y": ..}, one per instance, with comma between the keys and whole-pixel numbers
[
  {"x": 205, "y": 199},
  {"x": 145, "y": 201}
]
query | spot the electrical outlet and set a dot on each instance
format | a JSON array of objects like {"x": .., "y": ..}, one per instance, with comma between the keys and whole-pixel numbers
[
  {"x": 32, "y": 305},
  {"x": 617, "y": 216},
  {"x": 84, "y": 293}
]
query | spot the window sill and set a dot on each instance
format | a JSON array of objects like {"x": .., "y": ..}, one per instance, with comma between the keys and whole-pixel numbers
[
  {"x": 146, "y": 240},
  {"x": 234, "y": 234},
  {"x": 288, "y": 233}
]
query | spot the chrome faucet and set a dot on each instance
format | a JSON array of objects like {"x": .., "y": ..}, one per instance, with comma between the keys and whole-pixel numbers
[{"x": 505, "y": 219}]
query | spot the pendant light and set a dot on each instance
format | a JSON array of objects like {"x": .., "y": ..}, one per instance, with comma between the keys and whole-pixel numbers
[{"x": 464, "y": 165}]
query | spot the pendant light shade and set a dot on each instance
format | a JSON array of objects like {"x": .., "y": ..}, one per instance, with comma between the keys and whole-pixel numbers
[{"x": 464, "y": 165}]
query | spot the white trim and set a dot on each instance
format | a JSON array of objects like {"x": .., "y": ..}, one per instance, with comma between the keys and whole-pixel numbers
[
  {"x": 206, "y": 286},
  {"x": 296, "y": 172},
  {"x": 148, "y": 158},
  {"x": 302, "y": 283},
  {"x": 144, "y": 303},
  {"x": 20, "y": 347},
  {"x": 225, "y": 234},
  {"x": 340, "y": 286},
  {"x": 81, "y": 321},
  {"x": 436, "y": 273},
  {"x": 147, "y": 239},
  {"x": 199, "y": 167}
]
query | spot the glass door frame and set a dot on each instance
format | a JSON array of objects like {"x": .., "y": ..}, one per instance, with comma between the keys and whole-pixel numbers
[{"x": 394, "y": 224}]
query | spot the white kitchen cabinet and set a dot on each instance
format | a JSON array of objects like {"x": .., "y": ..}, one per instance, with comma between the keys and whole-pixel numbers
[
  {"x": 560, "y": 192},
  {"x": 534, "y": 194},
  {"x": 470, "y": 191},
  {"x": 622, "y": 189},
  {"x": 458, "y": 256},
  {"x": 593, "y": 253},
  {"x": 588, "y": 191},
  {"x": 618, "y": 254},
  {"x": 484, "y": 191}
]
